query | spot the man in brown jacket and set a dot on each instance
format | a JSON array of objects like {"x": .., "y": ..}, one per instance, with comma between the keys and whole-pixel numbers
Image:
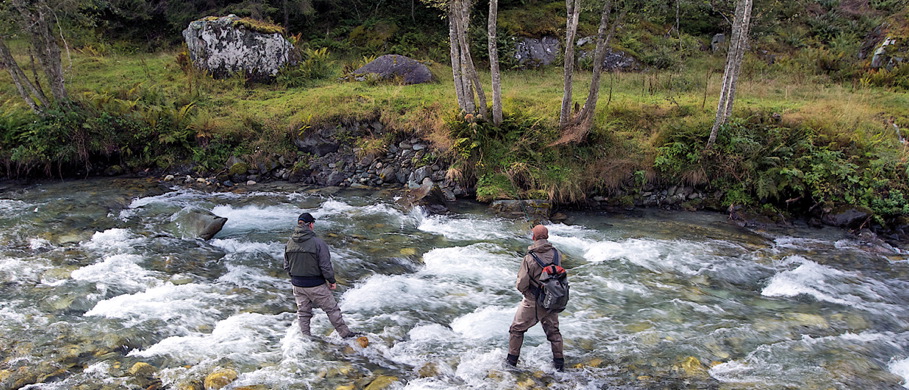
[
  {"x": 528, "y": 311},
  {"x": 308, "y": 262}
]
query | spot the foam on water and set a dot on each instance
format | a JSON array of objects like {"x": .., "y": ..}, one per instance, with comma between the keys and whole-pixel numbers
[
  {"x": 113, "y": 240},
  {"x": 395, "y": 292},
  {"x": 487, "y": 264},
  {"x": 900, "y": 367},
  {"x": 472, "y": 275},
  {"x": 256, "y": 218},
  {"x": 658, "y": 256},
  {"x": 464, "y": 229},
  {"x": 181, "y": 196},
  {"x": 185, "y": 307},
  {"x": 21, "y": 271},
  {"x": 11, "y": 206},
  {"x": 243, "y": 276},
  {"x": 776, "y": 365},
  {"x": 332, "y": 207},
  {"x": 119, "y": 270},
  {"x": 238, "y": 246},
  {"x": 245, "y": 338},
  {"x": 485, "y": 323},
  {"x": 828, "y": 284}
]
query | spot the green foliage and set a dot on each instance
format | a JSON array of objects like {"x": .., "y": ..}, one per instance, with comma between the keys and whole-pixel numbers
[
  {"x": 316, "y": 65},
  {"x": 897, "y": 77},
  {"x": 760, "y": 163}
]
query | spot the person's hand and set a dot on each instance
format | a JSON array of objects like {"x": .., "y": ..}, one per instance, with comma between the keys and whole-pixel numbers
[{"x": 332, "y": 286}]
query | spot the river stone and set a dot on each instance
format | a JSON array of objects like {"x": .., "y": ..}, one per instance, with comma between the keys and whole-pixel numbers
[
  {"x": 534, "y": 210},
  {"x": 382, "y": 382},
  {"x": 142, "y": 369},
  {"x": 220, "y": 378},
  {"x": 223, "y": 47},
  {"x": 391, "y": 66},
  {"x": 847, "y": 216},
  {"x": 691, "y": 367},
  {"x": 197, "y": 223},
  {"x": 429, "y": 370}
]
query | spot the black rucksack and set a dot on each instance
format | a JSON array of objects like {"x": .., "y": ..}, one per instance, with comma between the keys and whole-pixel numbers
[{"x": 552, "y": 293}]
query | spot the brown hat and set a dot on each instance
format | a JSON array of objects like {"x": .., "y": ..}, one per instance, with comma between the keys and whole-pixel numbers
[{"x": 540, "y": 232}]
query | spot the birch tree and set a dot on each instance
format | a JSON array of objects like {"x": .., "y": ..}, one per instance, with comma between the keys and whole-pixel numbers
[
  {"x": 738, "y": 43},
  {"x": 494, "y": 63},
  {"x": 37, "y": 20},
  {"x": 575, "y": 128},
  {"x": 469, "y": 90}
]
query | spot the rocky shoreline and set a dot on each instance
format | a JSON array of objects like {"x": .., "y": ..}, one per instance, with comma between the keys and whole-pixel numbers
[{"x": 330, "y": 159}]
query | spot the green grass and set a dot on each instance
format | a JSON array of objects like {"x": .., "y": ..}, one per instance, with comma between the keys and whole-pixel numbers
[{"x": 639, "y": 114}]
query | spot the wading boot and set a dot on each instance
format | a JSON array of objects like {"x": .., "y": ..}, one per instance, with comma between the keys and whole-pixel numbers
[
  {"x": 511, "y": 360},
  {"x": 559, "y": 364}
]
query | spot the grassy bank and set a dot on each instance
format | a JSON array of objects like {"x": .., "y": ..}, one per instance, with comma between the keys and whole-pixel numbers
[{"x": 799, "y": 140}]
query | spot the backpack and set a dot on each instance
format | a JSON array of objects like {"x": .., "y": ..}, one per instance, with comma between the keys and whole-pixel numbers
[{"x": 552, "y": 293}]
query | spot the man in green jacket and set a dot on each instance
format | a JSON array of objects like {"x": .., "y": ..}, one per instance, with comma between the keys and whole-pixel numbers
[
  {"x": 308, "y": 262},
  {"x": 529, "y": 313}
]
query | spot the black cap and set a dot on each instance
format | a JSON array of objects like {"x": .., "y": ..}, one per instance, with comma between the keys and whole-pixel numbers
[{"x": 306, "y": 217}]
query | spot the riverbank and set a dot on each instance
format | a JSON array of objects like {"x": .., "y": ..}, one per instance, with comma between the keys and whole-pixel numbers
[{"x": 802, "y": 147}]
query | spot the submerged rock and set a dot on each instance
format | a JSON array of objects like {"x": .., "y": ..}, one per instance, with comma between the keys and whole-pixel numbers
[
  {"x": 220, "y": 378},
  {"x": 382, "y": 382}
]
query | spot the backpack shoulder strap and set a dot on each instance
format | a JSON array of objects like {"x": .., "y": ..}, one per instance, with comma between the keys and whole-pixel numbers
[
  {"x": 537, "y": 258},
  {"x": 556, "y": 258}
]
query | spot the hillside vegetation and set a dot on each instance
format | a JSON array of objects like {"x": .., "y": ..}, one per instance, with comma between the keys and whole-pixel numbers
[{"x": 815, "y": 127}]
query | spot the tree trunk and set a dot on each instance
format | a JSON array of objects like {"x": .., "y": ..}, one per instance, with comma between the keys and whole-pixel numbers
[
  {"x": 494, "y": 64},
  {"x": 573, "y": 13},
  {"x": 456, "y": 66},
  {"x": 23, "y": 84},
  {"x": 737, "y": 45},
  {"x": 576, "y": 128},
  {"x": 590, "y": 105},
  {"x": 467, "y": 81},
  {"x": 33, "y": 19}
]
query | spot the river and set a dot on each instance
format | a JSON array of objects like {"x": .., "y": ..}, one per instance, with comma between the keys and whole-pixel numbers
[{"x": 95, "y": 277}]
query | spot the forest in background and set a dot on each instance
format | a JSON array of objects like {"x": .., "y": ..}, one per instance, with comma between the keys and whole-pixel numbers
[{"x": 815, "y": 127}]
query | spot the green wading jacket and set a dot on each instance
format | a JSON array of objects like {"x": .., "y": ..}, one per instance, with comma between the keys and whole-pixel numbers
[{"x": 307, "y": 259}]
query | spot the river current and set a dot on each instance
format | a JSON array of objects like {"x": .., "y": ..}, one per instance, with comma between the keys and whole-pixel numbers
[{"x": 95, "y": 277}]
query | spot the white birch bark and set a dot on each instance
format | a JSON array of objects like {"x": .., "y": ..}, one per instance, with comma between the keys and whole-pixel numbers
[
  {"x": 494, "y": 63},
  {"x": 734, "y": 57},
  {"x": 573, "y": 13}
]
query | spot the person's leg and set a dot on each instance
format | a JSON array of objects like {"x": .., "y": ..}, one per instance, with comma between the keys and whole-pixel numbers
[
  {"x": 304, "y": 309},
  {"x": 524, "y": 319},
  {"x": 550, "y": 323},
  {"x": 323, "y": 298}
]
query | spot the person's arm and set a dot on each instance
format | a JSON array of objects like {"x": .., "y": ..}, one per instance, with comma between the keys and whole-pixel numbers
[
  {"x": 523, "y": 282},
  {"x": 328, "y": 272},
  {"x": 286, "y": 262}
]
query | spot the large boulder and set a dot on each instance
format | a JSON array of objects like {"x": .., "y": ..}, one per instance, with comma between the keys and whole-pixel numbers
[
  {"x": 889, "y": 54},
  {"x": 227, "y": 45},
  {"x": 193, "y": 222},
  {"x": 613, "y": 60},
  {"x": 533, "y": 52},
  {"x": 847, "y": 216},
  {"x": 533, "y": 210},
  {"x": 393, "y": 66}
]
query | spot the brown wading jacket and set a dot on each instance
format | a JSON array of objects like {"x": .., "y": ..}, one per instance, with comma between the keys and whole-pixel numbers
[{"x": 530, "y": 270}]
